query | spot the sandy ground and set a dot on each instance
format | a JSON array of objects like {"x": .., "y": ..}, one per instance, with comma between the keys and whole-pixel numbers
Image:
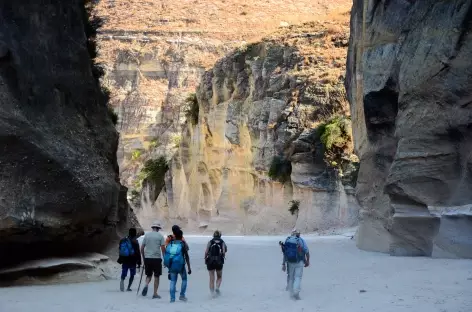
[{"x": 253, "y": 281}]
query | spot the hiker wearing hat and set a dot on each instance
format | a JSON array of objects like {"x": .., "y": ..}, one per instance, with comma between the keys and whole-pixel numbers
[
  {"x": 296, "y": 256},
  {"x": 214, "y": 259},
  {"x": 152, "y": 250}
]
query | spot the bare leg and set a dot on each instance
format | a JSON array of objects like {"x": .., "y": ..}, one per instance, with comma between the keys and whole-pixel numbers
[
  {"x": 148, "y": 280},
  {"x": 219, "y": 278},
  {"x": 156, "y": 284},
  {"x": 212, "y": 280}
]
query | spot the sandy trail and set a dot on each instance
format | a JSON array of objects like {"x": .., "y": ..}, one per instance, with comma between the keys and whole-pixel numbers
[{"x": 253, "y": 281}]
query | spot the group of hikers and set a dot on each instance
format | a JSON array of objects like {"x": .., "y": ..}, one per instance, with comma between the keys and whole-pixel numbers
[{"x": 173, "y": 252}]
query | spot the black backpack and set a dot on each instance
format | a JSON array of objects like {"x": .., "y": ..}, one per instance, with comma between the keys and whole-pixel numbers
[{"x": 215, "y": 252}]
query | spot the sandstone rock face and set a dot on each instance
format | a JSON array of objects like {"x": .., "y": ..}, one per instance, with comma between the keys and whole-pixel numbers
[
  {"x": 155, "y": 53},
  {"x": 59, "y": 184},
  {"x": 409, "y": 84},
  {"x": 263, "y": 102}
]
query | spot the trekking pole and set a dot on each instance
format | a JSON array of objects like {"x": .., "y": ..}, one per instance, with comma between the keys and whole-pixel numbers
[{"x": 140, "y": 280}]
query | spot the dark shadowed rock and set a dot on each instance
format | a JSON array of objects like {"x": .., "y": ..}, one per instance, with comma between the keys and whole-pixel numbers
[
  {"x": 59, "y": 187},
  {"x": 409, "y": 82}
]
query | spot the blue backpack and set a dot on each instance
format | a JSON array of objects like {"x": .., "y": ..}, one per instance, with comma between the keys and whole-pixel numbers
[
  {"x": 126, "y": 248},
  {"x": 174, "y": 257},
  {"x": 293, "y": 249}
]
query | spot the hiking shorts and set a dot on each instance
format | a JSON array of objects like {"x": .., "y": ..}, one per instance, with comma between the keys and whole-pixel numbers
[
  {"x": 212, "y": 266},
  {"x": 153, "y": 266}
]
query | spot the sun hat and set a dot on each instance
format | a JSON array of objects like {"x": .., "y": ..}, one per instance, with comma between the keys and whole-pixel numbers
[{"x": 156, "y": 224}]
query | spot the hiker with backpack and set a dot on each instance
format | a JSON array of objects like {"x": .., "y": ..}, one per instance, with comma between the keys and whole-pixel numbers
[
  {"x": 171, "y": 237},
  {"x": 175, "y": 258},
  {"x": 214, "y": 259},
  {"x": 152, "y": 249},
  {"x": 129, "y": 258},
  {"x": 296, "y": 256}
]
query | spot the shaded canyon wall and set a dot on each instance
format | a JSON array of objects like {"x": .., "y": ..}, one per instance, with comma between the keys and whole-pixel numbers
[
  {"x": 409, "y": 82},
  {"x": 59, "y": 182}
]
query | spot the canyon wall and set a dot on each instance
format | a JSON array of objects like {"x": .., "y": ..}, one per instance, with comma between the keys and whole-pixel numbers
[
  {"x": 59, "y": 183},
  {"x": 409, "y": 83},
  {"x": 254, "y": 143},
  {"x": 154, "y": 54}
]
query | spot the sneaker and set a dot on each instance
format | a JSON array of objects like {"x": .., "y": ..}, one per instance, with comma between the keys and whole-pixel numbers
[
  {"x": 182, "y": 298},
  {"x": 217, "y": 291},
  {"x": 156, "y": 297},
  {"x": 172, "y": 300},
  {"x": 122, "y": 285},
  {"x": 145, "y": 289},
  {"x": 129, "y": 289},
  {"x": 212, "y": 291},
  {"x": 296, "y": 296}
]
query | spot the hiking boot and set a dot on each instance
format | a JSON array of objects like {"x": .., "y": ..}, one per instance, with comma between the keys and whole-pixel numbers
[
  {"x": 183, "y": 298},
  {"x": 122, "y": 285},
  {"x": 156, "y": 297},
  {"x": 145, "y": 289}
]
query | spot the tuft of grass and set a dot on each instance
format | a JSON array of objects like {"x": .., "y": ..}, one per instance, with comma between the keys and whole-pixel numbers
[
  {"x": 335, "y": 133},
  {"x": 176, "y": 139},
  {"x": 135, "y": 195},
  {"x": 113, "y": 116},
  {"x": 294, "y": 206},
  {"x": 280, "y": 169},
  {"x": 192, "y": 108},
  {"x": 154, "y": 143},
  {"x": 136, "y": 154},
  {"x": 154, "y": 170}
]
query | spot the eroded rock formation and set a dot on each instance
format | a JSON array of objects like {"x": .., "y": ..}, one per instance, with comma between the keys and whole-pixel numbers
[
  {"x": 59, "y": 183},
  {"x": 409, "y": 82},
  {"x": 262, "y": 104}
]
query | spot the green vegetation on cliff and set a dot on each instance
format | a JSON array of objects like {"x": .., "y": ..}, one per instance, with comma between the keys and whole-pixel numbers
[{"x": 336, "y": 136}]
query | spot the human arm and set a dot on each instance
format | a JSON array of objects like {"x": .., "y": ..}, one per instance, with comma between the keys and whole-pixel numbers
[
  {"x": 187, "y": 258},
  {"x": 306, "y": 251},
  {"x": 137, "y": 253},
  {"x": 143, "y": 245},
  {"x": 206, "y": 250}
]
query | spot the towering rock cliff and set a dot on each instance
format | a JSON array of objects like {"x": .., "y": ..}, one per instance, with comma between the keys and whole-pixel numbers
[
  {"x": 409, "y": 82},
  {"x": 59, "y": 183},
  {"x": 252, "y": 147},
  {"x": 155, "y": 53}
]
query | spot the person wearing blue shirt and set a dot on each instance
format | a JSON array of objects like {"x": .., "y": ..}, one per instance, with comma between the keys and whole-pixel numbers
[{"x": 295, "y": 266}]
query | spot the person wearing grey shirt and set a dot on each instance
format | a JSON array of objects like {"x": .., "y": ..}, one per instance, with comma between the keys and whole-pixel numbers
[{"x": 152, "y": 249}]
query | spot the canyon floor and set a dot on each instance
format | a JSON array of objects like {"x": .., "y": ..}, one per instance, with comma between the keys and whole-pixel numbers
[{"x": 340, "y": 278}]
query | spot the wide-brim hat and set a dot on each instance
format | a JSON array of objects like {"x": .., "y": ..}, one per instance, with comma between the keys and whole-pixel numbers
[{"x": 156, "y": 224}]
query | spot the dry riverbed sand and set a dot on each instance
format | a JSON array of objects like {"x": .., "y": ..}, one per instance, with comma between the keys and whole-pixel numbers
[{"x": 340, "y": 278}]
